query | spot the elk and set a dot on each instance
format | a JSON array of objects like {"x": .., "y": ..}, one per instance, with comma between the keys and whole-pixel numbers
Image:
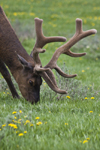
[{"x": 27, "y": 69}]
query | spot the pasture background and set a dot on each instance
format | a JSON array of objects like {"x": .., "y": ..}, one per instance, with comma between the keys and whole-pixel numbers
[{"x": 68, "y": 122}]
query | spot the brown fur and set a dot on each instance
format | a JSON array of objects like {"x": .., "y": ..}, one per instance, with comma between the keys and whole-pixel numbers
[{"x": 10, "y": 46}]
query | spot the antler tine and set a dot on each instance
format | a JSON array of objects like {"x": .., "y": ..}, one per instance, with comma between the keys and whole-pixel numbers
[
  {"x": 51, "y": 84},
  {"x": 65, "y": 49},
  {"x": 41, "y": 39}
]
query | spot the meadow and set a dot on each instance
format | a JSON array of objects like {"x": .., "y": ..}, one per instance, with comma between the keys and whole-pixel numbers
[{"x": 57, "y": 122}]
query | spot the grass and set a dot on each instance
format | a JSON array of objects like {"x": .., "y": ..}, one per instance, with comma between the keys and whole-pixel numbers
[{"x": 65, "y": 121}]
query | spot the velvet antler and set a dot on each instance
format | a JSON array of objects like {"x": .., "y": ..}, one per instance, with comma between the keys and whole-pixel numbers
[{"x": 41, "y": 40}]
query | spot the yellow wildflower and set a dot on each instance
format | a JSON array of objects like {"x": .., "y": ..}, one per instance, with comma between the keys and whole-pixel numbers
[
  {"x": 66, "y": 123},
  {"x": 20, "y": 134},
  {"x": 92, "y": 97},
  {"x": 14, "y": 112},
  {"x": 0, "y": 129},
  {"x": 3, "y": 125},
  {"x": 37, "y": 118},
  {"x": 38, "y": 123},
  {"x": 13, "y": 125},
  {"x": 15, "y": 14},
  {"x": 83, "y": 70},
  {"x": 31, "y": 125},
  {"x": 68, "y": 97},
  {"x": 25, "y": 131},
  {"x": 85, "y": 141},
  {"x": 27, "y": 121},
  {"x": 85, "y": 97},
  {"x": 90, "y": 111},
  {"x": 88, "y": 138},
  {"x": 20, "y": 111}
]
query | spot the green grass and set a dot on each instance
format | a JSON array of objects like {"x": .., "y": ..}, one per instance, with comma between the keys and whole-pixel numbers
[{"x": 66, "y": 123}]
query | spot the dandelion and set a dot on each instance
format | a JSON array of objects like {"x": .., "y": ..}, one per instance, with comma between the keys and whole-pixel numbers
[
  {"x": 85, "y": 141},
  {"x": 83, "y": 70},
  {"x": 20, "y": 134},
  {"x": 0, "y": 129},
  {"x": 37, "y": 118},
  {"x": 13, "y": 125},
  {"x": 3, "y": 125},
  {"x": 15, "y": 117},
  {"x": 14, "y": 112},
  {"x": 68, "y": 97},
  {"x": 31, "y": 125},
  {"x": 92, "y": 97},
  {"x": 90, "y": 111},
  {"x": 25, "y": 131},
  {"x": 85, "y": 98},
  {"x": 38, "y": 123},
  {"x": 88, "y": 138},
  {"x": 20, "y": 111},
  {"x": 27, "y": 121},
  {"x": 15, "y": 14},
  {"x": 66, "y": 123}
]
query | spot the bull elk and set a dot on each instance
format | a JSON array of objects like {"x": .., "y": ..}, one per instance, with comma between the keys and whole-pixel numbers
[{"x": 27, "y": 69}]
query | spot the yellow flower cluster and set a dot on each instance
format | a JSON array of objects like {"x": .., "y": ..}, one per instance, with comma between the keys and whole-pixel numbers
[
  {"x": 23, "y": 13},
  {"x": 13, "y": 125},
  {"x": 38, "y": 123},
  {"x": 85, "y": 141},
  {"x": 87, "y": 98}
]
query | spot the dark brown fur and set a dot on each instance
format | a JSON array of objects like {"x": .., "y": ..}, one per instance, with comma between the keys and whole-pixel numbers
[{"x": 10, "y": 47}]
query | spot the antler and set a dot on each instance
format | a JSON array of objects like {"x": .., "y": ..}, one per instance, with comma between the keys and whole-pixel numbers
[
  {"x": 65, "y": 49},
  {"x": 41, "y": 40}
]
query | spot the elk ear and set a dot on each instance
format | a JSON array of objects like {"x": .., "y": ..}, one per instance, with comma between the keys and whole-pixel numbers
[{"x": 24, "y": 62}]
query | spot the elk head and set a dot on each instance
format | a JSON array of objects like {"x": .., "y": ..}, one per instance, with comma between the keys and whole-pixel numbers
[{"x": 32, "y": 74}]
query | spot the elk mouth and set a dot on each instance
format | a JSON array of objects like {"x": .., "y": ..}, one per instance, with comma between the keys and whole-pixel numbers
[{"x": 33, "y": 98}]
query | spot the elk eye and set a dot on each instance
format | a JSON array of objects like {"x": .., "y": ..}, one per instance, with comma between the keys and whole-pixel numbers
[{"x": 31, "y": 82}]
